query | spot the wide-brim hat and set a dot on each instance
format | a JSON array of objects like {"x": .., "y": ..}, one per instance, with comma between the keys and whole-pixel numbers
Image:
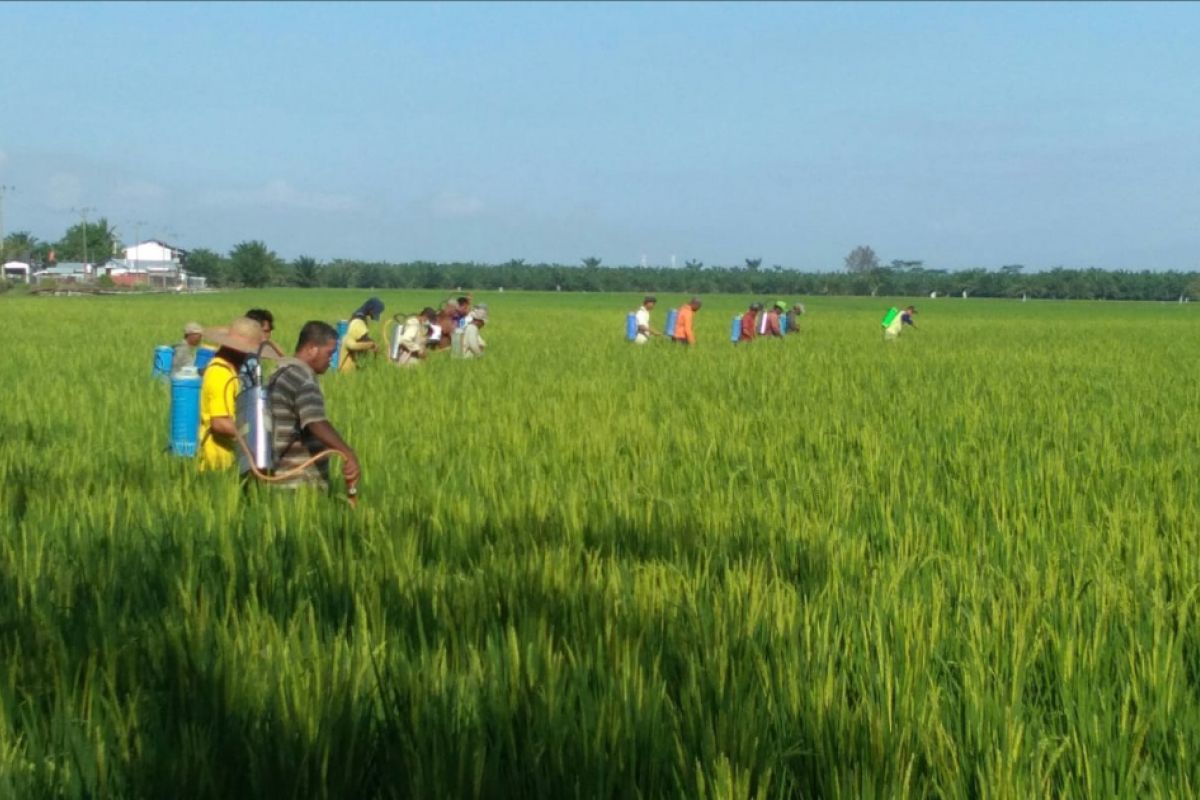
[{"x": 244, "y": 335}]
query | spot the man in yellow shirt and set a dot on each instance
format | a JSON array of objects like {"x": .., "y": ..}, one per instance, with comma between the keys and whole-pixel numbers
[
  {"x": 357, "y": 342},
  {"x": 218, "y": 391}
]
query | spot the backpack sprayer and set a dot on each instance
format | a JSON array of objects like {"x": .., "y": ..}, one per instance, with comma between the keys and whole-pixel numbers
[{"x": 254, "y": 428}]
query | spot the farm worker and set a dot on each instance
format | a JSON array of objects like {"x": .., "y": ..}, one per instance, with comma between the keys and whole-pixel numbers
[
  {"x": 892, "y": 329},
  {"x": 793, "y": 318},
  {"x": 684, "y": 332},
  {"x": 439, "y": 339},
  {"x": 298, "y": 408},
  {"x": 642, "y": 318},
  {"x": 472, "y": 343},
  {"x": 410, "y": 348},
  {"x": 218, "y": 391},
  {"x": 185, "y": 351},
  {"x": 264, "y": 318},
  {"x": 462, "y": 308},
  {"x": 357, "y": 340},
  {"x": 749, "y": 327},
  {"x": 906, "y": 317},
  {"x": 773, "y": 327}
]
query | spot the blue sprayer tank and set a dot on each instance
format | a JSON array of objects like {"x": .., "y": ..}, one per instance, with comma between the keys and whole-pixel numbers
[
  {"x": 163, "y": 356},
  {"x": 735, "y": 332},
  {"x": 631, "y": 326},
  {"x": 185, "y": 411},
  {"x": 342, "y": 327},
  {"x": 672, "y": 315},
  {"x": 782, "y": 323},
  {"x": 204, "y": 354}
]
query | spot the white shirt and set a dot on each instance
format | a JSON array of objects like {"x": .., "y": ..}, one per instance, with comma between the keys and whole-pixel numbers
[{"x": 643, "y": 321}]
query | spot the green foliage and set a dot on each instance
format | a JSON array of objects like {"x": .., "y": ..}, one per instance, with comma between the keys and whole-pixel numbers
[
  {"x": 18, "y": 246},
  {"x": 305, "y": 272},
  {"x": 963, "y": 564},
  {"x": 208, "y": 264},
  {"x": 96, "y": 242},
  {"x": 252, "y": 264}
]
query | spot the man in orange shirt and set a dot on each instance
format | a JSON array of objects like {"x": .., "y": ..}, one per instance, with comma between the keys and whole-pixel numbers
[{"x": 684, "y": 333}]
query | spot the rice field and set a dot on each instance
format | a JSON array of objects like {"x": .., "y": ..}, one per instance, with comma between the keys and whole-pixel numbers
[{"x": 964, "y": 564}]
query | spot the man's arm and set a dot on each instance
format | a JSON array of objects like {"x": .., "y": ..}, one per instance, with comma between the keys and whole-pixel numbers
[
  {"x": 327, "y": 435},
  {"x": 223, "y": 426}
]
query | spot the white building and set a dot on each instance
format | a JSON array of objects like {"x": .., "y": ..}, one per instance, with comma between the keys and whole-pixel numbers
[
  {"x": 16, "y": 271},
  {"x": 154, "y": 251}
]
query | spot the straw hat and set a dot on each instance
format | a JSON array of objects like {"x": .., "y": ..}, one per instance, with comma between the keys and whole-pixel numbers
[{"x": 244, "y": 335}]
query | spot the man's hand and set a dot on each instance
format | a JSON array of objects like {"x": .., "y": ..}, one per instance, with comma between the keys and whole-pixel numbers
[{"x": 351, "y": 471}]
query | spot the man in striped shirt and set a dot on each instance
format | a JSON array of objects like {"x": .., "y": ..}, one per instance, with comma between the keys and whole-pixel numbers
[{"x": 298, "y": 408}]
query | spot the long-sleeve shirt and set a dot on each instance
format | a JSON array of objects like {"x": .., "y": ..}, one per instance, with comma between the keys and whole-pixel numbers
[
  {"x": 773, "y": 324},
  {"x": 749, "y": 325},
  {"x": 683, "y": 325},
  {"x": 356, "y": 340},
  {"x": 472, "y": 342}
]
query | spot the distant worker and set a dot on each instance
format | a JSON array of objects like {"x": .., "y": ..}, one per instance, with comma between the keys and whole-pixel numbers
[
  {"x": 684, "y": 332},
  {"x": 302, "y": 429},
  {"x": 470, "y": 342},
  {"x": 264, "y": 318},
  {"x": 184, "y": 353},
  {"x": 357, "y": 342},
  {"x": 773, "y": 327},
  {"x": 439, "y": 332},
  {"x": 219, "y": 389},
  {"x": 894, "y": 322},
  {"x": 642, "y": 318},
  {"x": 412, "y": 336},
  {"x": 749, "y": 325},
  {"x": 793, "y": 318},
  {"x": 462, "y": 308}
]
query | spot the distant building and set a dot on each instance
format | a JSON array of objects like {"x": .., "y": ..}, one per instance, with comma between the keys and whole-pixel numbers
[
  {"x": 154, "y": 251},
  {"x": 155, "y": 274},
  {"x": 17, "y": 271},
  {"x": 66, "y": 272}
]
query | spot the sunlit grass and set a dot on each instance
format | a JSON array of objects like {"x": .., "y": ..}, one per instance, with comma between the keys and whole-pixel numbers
[{"x": 961, "y": 564}]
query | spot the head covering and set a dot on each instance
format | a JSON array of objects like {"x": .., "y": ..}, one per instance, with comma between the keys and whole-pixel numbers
[
  {"x": 244, "y": 335},
  {"x": 782, "y": 306},
  {"x": 479, "y": 313},
  {"x": 192, "y": 327},
  {"x": 373, "y": 308},
  {"x": 756, "y": 306}
]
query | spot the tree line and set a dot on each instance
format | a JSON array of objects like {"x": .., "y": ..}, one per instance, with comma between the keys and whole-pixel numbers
[{"x": 254, "y": 264}]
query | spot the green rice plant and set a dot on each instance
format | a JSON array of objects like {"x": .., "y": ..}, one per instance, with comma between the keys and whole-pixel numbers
[{"x": 962, "y": 564}]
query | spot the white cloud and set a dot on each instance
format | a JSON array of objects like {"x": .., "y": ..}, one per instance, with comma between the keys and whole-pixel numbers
[
  {"x": 64, "y": 190},
  {"x": 450, "y": 204},
  {"x": 281, "y": 194}
]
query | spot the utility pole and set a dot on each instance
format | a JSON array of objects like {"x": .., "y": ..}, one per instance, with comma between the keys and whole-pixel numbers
[
  {"x": 3, "y": 190},
  {"x": 83, "y": 212}
]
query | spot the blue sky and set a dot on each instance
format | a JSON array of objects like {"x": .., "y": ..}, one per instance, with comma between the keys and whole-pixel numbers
[{"x": 973, "y": 134}]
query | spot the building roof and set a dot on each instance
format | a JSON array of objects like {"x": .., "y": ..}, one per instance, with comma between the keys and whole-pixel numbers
[{"x": 66, "y": 268}]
